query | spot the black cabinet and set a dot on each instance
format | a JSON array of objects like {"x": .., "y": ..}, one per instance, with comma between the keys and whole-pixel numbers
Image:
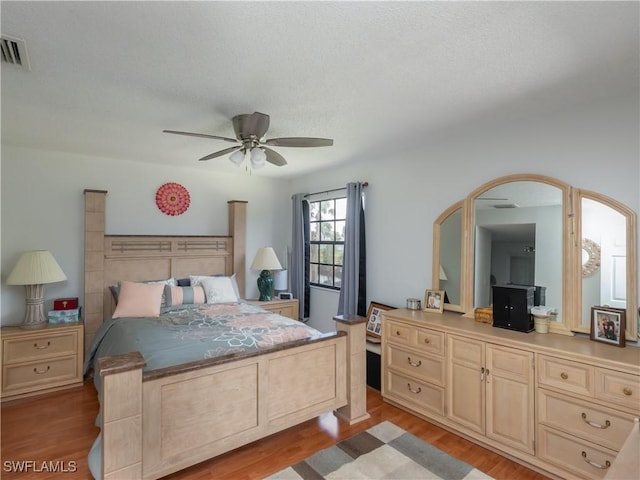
[
  {"x": 512, "y": 307},
  {"x": 373, "y": 370}
]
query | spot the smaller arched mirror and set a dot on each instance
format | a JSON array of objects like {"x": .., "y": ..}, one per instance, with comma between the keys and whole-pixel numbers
[
  {"x": 607, "y": 230},
  {"x": 447, "y": 272}
]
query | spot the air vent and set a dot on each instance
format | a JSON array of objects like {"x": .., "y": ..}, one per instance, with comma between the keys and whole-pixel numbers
[
  {"x": 14, "y": 52},
  {"x": 506, "y": 205}
]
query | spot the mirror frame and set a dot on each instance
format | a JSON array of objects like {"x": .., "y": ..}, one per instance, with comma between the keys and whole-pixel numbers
[{"x": 571, "y": 252}]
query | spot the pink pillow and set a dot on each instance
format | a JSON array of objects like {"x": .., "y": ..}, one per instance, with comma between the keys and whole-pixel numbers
[{"x": 139, "y": 300}]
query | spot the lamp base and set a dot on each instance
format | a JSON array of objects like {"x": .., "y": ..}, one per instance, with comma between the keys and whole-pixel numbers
[
  {"x": 34, "y": 307},
  {"x": 265, "y": 285}
]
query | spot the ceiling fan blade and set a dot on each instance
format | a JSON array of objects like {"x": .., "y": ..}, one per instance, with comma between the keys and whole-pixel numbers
[
  {"x": 274, "y": 157},
  {"x": 220, "y": 153},
  {"x": 203, "y": 135},
  {"x": 299, "y": 142}
]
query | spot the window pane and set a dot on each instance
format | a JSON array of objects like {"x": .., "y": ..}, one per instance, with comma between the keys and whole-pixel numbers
[
  {"x": 314, "y": 229},
  {"x": 341, "y": 208},
  {"x": 338, "y": 277},
  {"x": 326, "y": 254},
  {"x": 340, "y": 226},
  {"x": 326, "y": 275},
  {"x": 327, "y": 210},
  {"x": 313, "y": 274},
  {"x": 327, "y": 231},
  {"x": 314, "y": 211},
  {"x": 315, "y": 258},
  {"x": 339, "y": 254}
]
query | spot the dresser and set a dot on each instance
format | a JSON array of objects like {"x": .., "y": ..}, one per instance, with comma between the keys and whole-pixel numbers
[
  {"x": 40, "y": 360},
  {"x": 558, "y": 404},
  {"x": 286, "y": 308}
]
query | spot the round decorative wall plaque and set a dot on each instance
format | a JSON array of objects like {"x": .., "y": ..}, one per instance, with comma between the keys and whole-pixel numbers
[
  {"x": 590, "y": 257},
  {"x": 172, "y": 199}
]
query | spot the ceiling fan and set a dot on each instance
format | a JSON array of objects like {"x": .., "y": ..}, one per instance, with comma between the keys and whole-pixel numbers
[{"x": 250, "y": 130}]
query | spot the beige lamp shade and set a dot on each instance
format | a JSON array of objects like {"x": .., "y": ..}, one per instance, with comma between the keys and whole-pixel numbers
[
  {"x": 266, "y": 259},
  {"x": 36, "y": 267},
  {"x": 33, "y": 270}
]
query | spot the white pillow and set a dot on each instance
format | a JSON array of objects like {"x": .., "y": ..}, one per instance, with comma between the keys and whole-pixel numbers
[
  {"x": 196, "y": 280},
  {"x": 218, "y": 289}
]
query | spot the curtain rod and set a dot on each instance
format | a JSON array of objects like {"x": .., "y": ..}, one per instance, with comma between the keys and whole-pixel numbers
[{"x": 364, "y": 184}]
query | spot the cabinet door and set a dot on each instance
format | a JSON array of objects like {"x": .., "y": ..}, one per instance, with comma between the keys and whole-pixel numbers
[
  {"x": 510, "y": 397},
  {"x": 465, "y": 386}
]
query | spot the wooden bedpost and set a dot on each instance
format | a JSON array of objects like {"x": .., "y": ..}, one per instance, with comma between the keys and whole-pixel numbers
[
  {"x": 238, "y": 230},
  {"x": 94, "y": 208},
  {"x": 356, "y": 409},
  {"x": 121, "y": 416}
]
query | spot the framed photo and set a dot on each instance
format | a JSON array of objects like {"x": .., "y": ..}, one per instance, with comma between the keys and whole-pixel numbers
[
  {"x": 434, "y": 301},
  {"x": 608, "y": 325},
  {"x": 374, "y": 319}
]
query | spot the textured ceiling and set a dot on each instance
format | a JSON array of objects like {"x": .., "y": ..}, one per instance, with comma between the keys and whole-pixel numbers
[{"x": 107, "y": 77}]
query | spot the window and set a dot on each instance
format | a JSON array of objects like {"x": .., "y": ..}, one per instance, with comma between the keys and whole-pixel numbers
[{"x": 327, "y": 220}]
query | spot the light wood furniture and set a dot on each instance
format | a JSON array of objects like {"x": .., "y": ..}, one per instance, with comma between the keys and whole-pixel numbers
[
  {"x": 162, "y": 421},
  {"x": 40, "y": 360},
  {"x": 561, "y": 405},
  {"x": 286, "y": 308}
]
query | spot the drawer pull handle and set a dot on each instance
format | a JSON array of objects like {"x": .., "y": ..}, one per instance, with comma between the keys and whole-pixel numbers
[
  {"x": 41, "y": 372},
  {"x": 564, "y": 376},
  {"x": 414, "y": 364},
  {"x": 627, "y": 391},
  {"x": 607, "y": 464},
  {"x": 412, "y": 390},
  {"x": 41, "y": 347},
  {"x": 607, "y": 424},
  {"x": 482, "y": 374},
  {"x": 398, "y": 332},
  {"x": 426, "y": 340}
]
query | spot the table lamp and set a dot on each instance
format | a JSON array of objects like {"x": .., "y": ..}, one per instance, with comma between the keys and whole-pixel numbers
[
  {"x": 33, "y": 270},
  {"x": 266, "y": 260}
]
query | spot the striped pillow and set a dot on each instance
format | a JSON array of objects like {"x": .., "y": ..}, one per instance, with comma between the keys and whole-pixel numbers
[{"x": 184, "y": 295}]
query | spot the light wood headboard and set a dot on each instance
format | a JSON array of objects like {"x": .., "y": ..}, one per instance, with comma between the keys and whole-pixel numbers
[{"x": 111, "y": 258}]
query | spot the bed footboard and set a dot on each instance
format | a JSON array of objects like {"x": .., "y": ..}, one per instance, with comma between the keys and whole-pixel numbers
[{"x": 166, "y": 420}]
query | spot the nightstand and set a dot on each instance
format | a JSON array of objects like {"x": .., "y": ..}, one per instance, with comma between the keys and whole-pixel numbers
[
  {"x": 40, "y": 360},
  {"x": 286, "y": 308}
]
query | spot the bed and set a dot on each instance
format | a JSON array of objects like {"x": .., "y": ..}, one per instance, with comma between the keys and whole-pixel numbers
[{"x": 160, "y": 415}]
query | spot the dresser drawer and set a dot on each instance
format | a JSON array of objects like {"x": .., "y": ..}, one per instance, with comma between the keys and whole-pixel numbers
[
  {"x": 618, "y": 388},
  {"x": 422, "y": 366},
  {"x": 36, "y": 375},
  {"x": 584, "y": 459},
  {"x": 39, "y": 346},
  {"x": 566, "y": 375},
  {"x": 427, "y": 340},
  {"x": 600, "y": 425},
  {"x": 423, "y": 396}
]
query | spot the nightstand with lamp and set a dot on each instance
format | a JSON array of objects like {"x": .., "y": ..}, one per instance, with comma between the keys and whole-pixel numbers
[{"x": 266, "y": 260}]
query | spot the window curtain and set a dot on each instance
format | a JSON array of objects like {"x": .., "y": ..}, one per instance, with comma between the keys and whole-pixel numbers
[
  {"x": 300, "y": 252},
  {"x": 353, "y": 288}
]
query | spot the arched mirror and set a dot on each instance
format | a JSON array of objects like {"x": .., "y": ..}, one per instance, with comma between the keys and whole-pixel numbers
[
  {"x": 447, "y": 249},
  {"x": 608, "y": 252},
  {"x": 534, "y": 230}
]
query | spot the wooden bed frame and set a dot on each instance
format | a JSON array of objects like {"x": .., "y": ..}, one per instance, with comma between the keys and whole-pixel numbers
[{"x": 159, "y": 422}]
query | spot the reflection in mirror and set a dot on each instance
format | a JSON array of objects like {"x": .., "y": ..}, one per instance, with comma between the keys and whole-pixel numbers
[
  {"x": 518, "y": 241},
  {"x": 603, "y": 232},
  {"x": 449, "y": 258}
]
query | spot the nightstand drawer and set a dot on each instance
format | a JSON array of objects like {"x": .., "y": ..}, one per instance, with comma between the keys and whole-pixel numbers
[
  {"x": 566, "y": 375},
  {"x": 37, "y": 375},
  {"x": 39, "y": 346}
]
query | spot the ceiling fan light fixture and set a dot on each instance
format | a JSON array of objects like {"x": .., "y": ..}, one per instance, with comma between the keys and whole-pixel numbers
[
  {"x": 258, "y": 158},
  {"x": 237, "y": 157}
]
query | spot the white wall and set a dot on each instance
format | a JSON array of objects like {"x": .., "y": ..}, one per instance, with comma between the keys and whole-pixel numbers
[
  {"x": 43, "y": 208},
  {"x": 595, "y": 147}
]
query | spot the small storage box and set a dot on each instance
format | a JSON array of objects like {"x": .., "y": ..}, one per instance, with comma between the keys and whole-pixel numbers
[
  {"x": 65, "y": 303},
  {"x": 484, "y": 315},
  {"x": 64, "y": 316}
]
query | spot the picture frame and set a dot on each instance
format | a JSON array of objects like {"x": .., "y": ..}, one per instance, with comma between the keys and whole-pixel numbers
[
  {"x": 608, "y": 325},
  {"x": 434, "y": 301},
  {"x": 374, "y": 319}
]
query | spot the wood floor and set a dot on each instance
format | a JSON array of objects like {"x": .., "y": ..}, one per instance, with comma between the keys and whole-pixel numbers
[{"x": 59, "y": 427}]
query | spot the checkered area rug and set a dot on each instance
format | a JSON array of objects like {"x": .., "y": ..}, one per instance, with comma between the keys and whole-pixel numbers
[{"x": 384, "y": 452}]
